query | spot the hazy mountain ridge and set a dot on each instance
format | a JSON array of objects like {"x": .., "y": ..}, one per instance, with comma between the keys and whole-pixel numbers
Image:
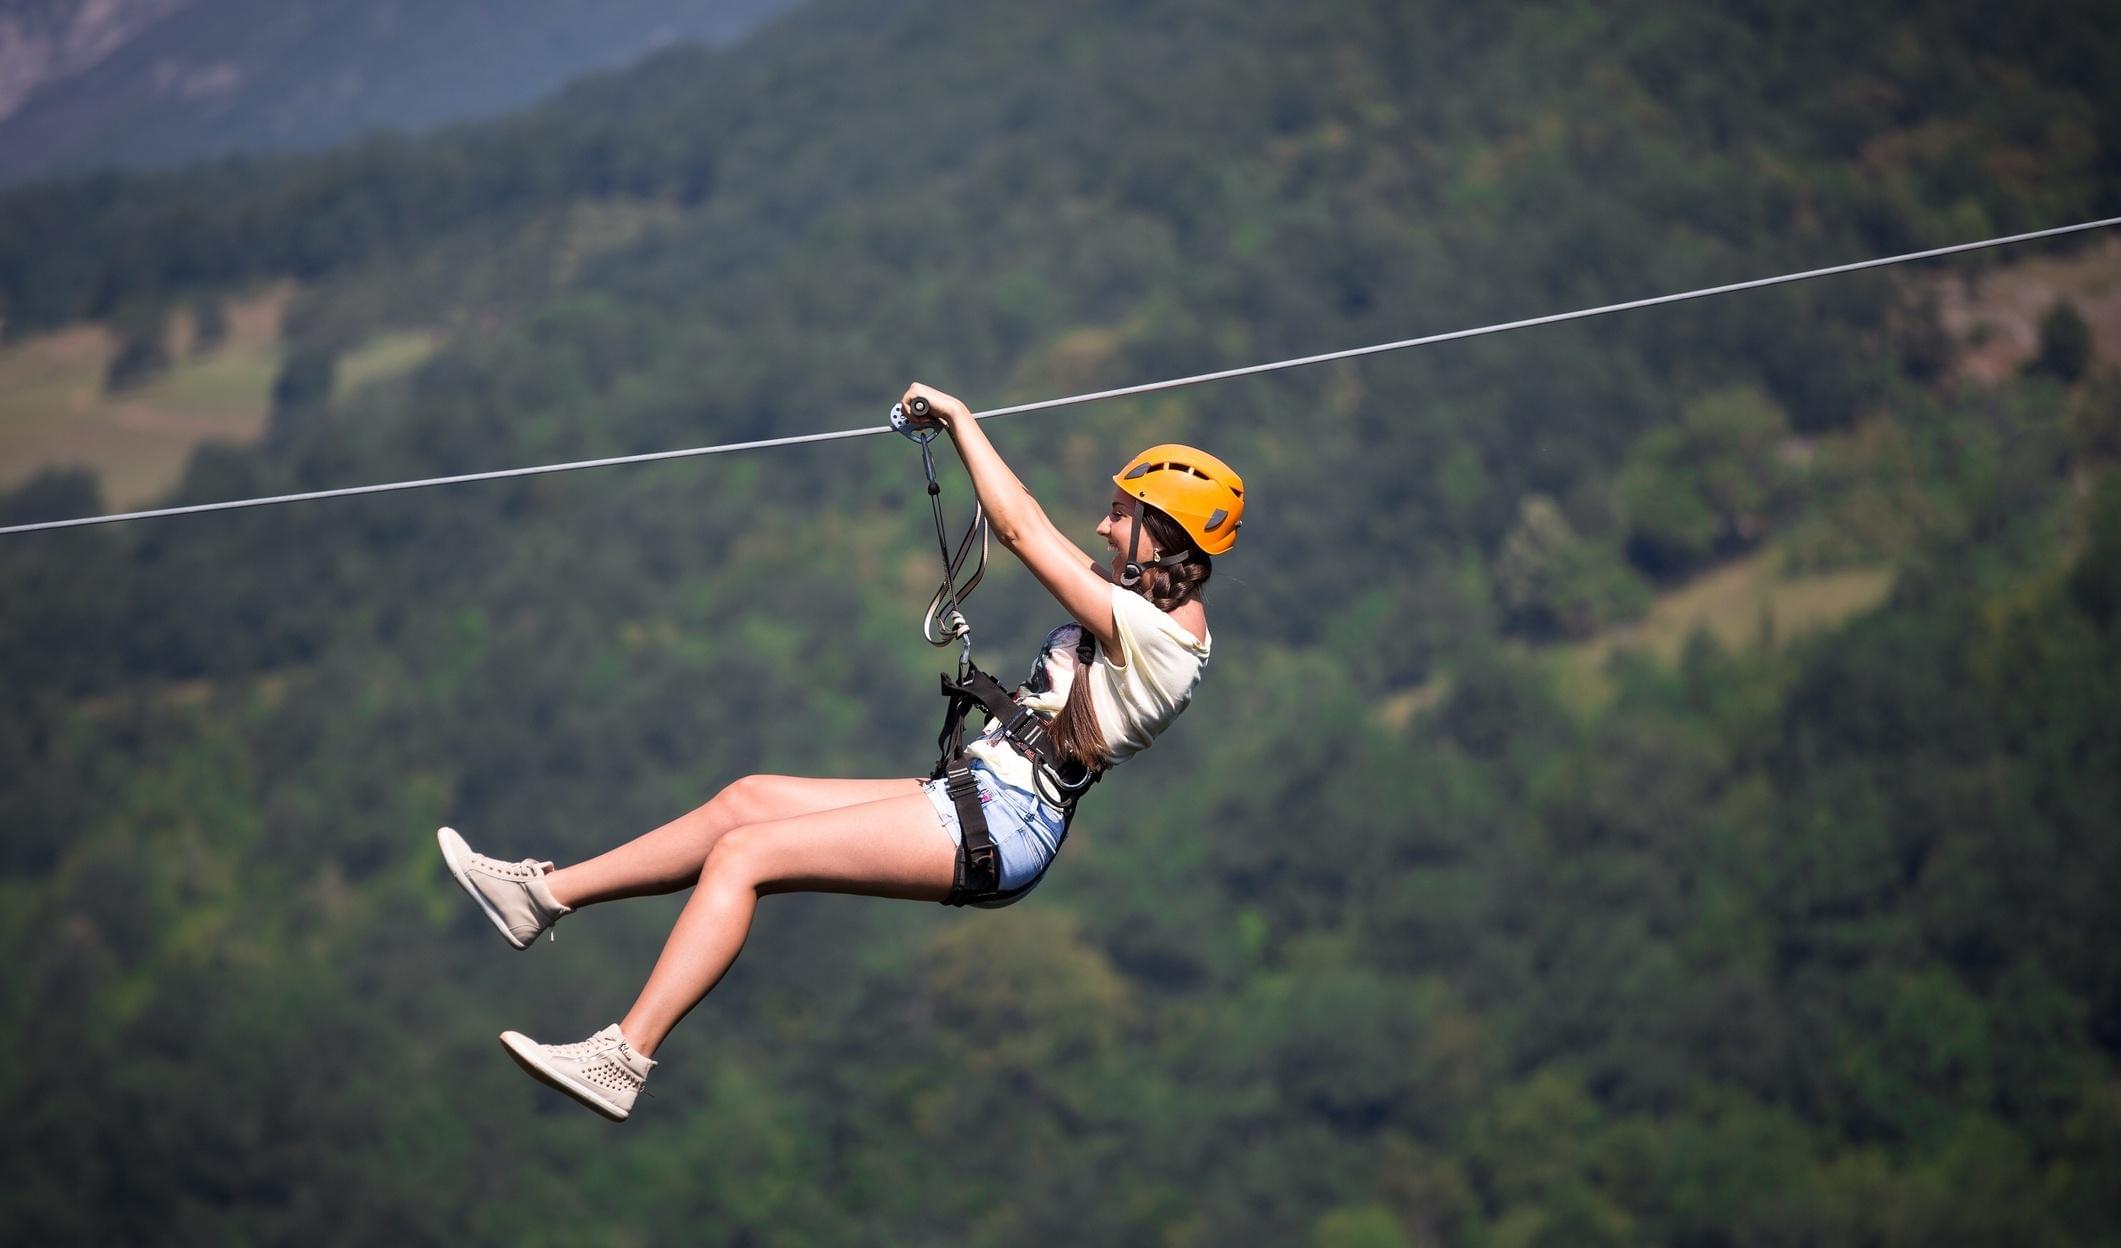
[
  {"x": 43, "y": 42},
  {"x": 246, "y": 75}
]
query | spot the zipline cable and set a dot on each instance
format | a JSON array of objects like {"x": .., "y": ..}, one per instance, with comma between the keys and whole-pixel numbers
[{"x": 1091, "y": 397}]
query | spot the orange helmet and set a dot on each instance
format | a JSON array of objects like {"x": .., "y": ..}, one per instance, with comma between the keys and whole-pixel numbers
[{"x": 1192, "y": 487}]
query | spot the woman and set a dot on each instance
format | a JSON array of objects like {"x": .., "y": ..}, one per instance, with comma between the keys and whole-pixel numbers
[{"x": 1173, "y": 508}]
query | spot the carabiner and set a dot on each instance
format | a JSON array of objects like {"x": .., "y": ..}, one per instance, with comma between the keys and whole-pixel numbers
[{"x": 943, "y": 622}]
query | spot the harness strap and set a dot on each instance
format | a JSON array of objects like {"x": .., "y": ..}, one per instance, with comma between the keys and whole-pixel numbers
[
  {"x": 1131, "y": 575},
  {"x": 979, "y": 866},
  {"x": 979, "y": 862}
]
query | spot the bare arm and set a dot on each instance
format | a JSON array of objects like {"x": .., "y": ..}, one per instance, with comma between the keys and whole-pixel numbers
[{"x": 1021, "y": 525}]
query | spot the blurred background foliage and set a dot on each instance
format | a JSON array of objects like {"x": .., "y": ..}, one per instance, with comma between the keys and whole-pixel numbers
[{"x": 1656, "y": 783}]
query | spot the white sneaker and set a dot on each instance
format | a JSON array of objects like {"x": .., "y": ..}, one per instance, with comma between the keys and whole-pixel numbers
[
  {"x": 602, "y": 1072},
  {"x": 513, "y": 894}
]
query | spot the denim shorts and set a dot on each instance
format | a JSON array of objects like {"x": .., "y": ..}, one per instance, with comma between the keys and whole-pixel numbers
[{"x": 1027, "y": 832}]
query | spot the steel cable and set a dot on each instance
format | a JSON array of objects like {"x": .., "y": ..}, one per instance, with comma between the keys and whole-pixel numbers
[{"x": 1073, "y": 399}]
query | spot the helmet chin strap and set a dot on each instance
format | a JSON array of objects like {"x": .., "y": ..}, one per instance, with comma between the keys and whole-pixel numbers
[{"x": 1132, "y": 574}]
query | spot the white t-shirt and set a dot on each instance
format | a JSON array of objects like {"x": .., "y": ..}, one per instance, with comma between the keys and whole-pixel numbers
[{"x": 1159, "y": 666}]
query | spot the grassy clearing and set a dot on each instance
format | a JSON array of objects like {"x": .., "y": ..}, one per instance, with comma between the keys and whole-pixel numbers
[
  {"x": 1398, "y": 710},
  {"x": 383, "y": 357},
  {"x": 1747, "y": 602},
  {"x": 1995, "y": 314},
  {"x": 54, "y": 411}
]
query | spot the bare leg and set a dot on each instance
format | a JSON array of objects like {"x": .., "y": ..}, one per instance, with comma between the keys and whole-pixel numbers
[
  {"x": 669, "y": 858},
  {"x": 888, "y": 848}
]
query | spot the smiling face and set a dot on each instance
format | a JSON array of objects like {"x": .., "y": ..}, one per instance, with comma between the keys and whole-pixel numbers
[{"x": 1115, "y": 529}]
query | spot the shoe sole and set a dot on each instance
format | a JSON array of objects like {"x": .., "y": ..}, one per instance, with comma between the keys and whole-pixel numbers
[
  {"x": 454, "y": 853},
  {"x": 525, "y": 1052}
]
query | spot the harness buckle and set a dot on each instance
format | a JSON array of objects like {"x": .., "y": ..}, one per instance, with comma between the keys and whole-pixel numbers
[
  {"x": 1026, "y": 728},
  {"x": 958, "y": 782}
]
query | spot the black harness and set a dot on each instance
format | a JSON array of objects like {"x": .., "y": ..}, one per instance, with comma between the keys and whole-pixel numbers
[{"x": 1060, "y": 781}]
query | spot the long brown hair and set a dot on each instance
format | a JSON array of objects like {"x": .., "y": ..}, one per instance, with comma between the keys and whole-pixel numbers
[{"x": 1074, "y": 729}]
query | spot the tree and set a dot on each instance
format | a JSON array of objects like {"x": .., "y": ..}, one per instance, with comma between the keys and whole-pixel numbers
[
  {"x": 209, "y": 320},
  {"x": 1711, "y": 486},
  {"x": 1552, "y": 584},
  {"x": 2065, "y": 344},
  {"x": 143, "y": 346},
  {"x": 303, "y": 387}
]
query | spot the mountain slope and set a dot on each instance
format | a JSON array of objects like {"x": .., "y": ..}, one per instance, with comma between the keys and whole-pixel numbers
[
  {"x": 219, "y": 76},
  {"x": 43, "y": 41}
]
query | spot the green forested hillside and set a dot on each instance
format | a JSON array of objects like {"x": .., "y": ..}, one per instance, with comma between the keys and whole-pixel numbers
[{"x": 1802, "y": 943}]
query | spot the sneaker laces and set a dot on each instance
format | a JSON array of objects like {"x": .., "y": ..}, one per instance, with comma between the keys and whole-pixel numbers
[
  {"x": 523, "y": 872},
  {"x": 581, "y": 1048},
  {"x": 604, "y": 1047},
  {"x": 528, "y": 869}
]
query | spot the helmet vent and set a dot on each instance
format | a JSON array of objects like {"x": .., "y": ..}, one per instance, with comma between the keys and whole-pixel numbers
[
  {"x": 1143, "y": 470},
  {"x": 1215, "y": 521}
]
